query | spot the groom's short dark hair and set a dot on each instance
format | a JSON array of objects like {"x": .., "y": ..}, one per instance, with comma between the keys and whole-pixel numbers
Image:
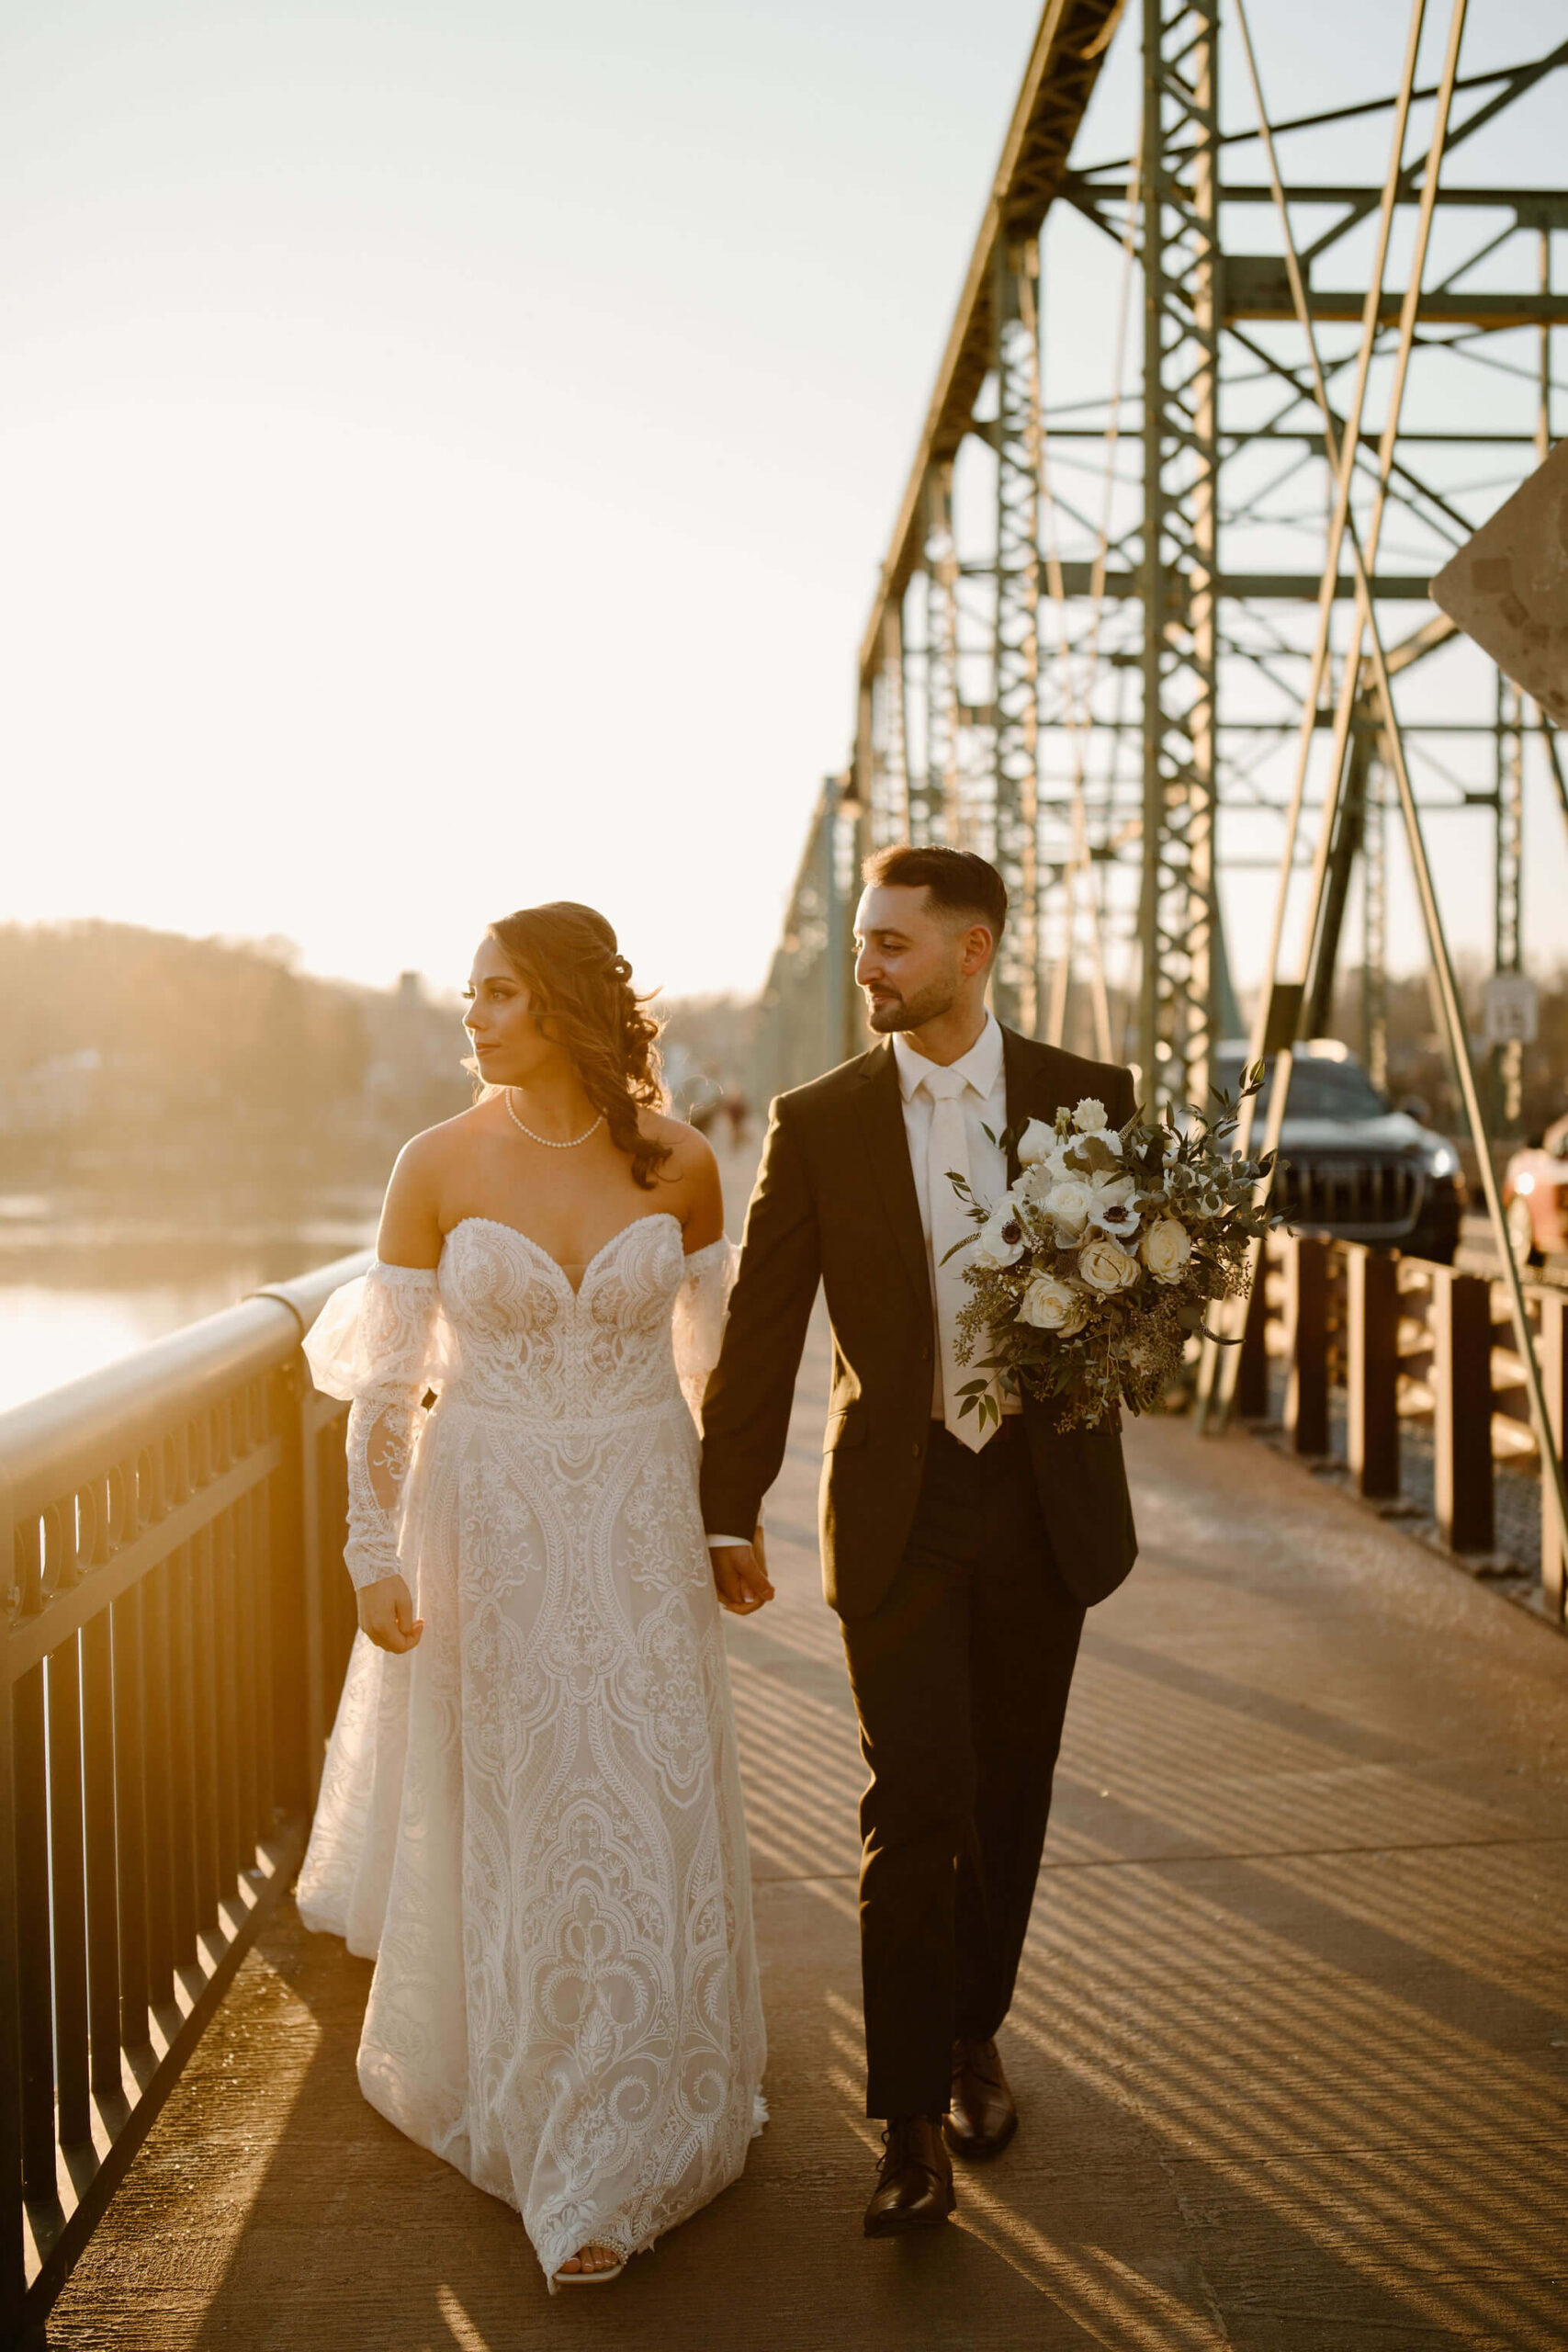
[{"x": 956, "y": 879}]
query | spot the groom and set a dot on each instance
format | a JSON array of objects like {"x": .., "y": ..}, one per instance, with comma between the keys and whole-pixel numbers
[{"x": 959, "y": 1558}]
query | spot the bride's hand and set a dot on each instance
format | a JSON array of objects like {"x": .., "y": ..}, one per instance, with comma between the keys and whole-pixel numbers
[
  {"x": 739, "y": 1577},
  {"x": 386, "y": 1615}
]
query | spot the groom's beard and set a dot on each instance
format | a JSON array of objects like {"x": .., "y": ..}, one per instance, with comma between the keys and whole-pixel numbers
[{"x": 910, "y": 1012}]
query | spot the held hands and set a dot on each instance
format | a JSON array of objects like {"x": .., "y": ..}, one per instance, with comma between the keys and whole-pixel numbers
[
  {"x": 386, "y": 1615},
  {"x": 741, "y": 1577}
]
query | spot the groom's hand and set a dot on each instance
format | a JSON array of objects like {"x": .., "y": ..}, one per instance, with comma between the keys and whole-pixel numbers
[{"x": 739, "y": 1577}]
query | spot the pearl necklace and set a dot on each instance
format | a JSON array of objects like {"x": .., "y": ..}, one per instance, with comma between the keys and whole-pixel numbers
[{"x": 550, "y": 1144}]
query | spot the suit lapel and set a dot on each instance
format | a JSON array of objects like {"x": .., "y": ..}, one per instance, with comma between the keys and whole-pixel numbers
[
  {"x": 1034, "y": 1086},
  {"x": 881, "y": 1108}
]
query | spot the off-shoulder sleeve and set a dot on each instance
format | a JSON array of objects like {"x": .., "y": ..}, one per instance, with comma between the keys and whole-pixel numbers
[
  {"x": 702, "y": 1304},
  {"x": 381, "y": 1342},
  {"x": 385, "y": 1327}
]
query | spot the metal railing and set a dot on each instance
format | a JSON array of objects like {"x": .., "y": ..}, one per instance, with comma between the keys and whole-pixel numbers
[
  {"x": 1409, "y": 1371},
  {"x": 176, "y": 1633}
]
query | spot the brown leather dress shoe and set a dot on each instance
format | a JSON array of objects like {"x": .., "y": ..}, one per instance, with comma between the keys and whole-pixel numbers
[
  {"x": 914, "y": 2180},
  {"x": 981, "y": 2118}
]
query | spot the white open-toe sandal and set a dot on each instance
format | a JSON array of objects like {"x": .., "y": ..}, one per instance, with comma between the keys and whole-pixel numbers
[{"x": 605, "y": 2278}]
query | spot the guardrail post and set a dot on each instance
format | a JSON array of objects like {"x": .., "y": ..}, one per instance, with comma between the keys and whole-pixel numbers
[
  {"x": 1306, "y": 1342},
  {"x": 1252, "y": 1371},
  {"x": 1554, "y": 1380},
  {"x": 1461, "y": 1388},
  {"x": 1372, "y": 1369}
]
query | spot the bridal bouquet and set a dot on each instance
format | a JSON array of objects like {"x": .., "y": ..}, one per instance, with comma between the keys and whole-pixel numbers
[{"x": 1097, "y": 1265}]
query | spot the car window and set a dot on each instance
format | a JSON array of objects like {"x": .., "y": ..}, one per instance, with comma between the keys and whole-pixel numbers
[{"x": 1319, "y": 1089}]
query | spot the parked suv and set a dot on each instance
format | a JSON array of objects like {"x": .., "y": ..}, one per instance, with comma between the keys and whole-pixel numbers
[{"x": 1353, "y": 1165}]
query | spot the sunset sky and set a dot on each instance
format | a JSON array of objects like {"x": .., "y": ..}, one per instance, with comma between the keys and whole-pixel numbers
[{"x": 448, "y": 448}]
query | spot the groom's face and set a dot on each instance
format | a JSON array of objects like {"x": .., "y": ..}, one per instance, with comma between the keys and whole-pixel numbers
[{"x": 914, "y": 961}]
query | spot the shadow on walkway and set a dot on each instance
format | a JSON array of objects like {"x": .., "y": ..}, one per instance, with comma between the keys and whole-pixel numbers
[{"x": 1289, "y": 2042}]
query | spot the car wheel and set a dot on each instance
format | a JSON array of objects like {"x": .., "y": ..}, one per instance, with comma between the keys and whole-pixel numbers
[{"x": 1521, "y": 1234}]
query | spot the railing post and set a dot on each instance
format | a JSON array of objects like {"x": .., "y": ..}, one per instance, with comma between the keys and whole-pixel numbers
[
  {"x": 1252, "y": 1370},
  {"x": 13, "y": 2274},
  {"x": 286, "y": 1595},
  {"x": 1461, "y": 1388},
  {"x": 312, "y": 1661},
  {"x": 1306, "y": 1342},
  {"x": 1372, "y": 1368},
  {"x": 1554, "y": 1380}
]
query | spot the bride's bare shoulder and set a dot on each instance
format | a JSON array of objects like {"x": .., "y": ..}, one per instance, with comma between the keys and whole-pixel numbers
[
  {"x": 426, "y": 1158},
  {"x": 691, "y": 1154}
]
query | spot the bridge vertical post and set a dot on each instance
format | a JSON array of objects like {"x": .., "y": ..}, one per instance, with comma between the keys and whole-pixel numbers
[
  {"x": 1554, "y": 1380},
  {"x": 889, "y": 817},
  {"x": 1180, "y": 559},
  {"x": 943, "y": 815},
  {"x": 1461, "y": 1387},
  {"x": 1374, "y": 930},
  {"x": 1016, "y": 661},
  {"x": 1508, "y": 1060},
  {"x": 1372, "y": 1297},
  {"x": 1306, "y": 1344}
]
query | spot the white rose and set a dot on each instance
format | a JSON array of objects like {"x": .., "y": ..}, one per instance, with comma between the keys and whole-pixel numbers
[
  {"x": 1035, "y": 1142},
  {"x": 992, "y": 1248},
  {"x": 1069, "y": 1203},
  {"x": 1105, "y": 1266},
  {"x": 1090, "y": 1116},
  {"x": 1052, "y": 1306},
  {"x": 1109, "y": 1191},
  {"x": 1167, "y": 1246}
]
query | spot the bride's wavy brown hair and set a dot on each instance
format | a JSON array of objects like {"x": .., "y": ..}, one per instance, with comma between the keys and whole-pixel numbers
[{"x": 581, "y": 993}]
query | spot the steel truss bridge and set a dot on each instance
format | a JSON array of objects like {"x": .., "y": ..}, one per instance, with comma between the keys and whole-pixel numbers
[{"x": 1125, "y": 559}]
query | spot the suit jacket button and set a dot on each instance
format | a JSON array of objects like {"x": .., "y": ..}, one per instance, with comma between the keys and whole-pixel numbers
[{"x": 917, "y": 1449}]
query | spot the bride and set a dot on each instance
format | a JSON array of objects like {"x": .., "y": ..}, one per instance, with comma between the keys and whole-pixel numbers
[{"x": 530, "y": 1814}]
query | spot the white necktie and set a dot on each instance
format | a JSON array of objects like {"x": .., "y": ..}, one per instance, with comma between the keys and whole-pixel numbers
[{"x": 947, "y": 1154}]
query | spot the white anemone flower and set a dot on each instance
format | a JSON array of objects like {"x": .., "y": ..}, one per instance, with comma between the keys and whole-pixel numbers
[
  {"x": 993, "y": 1247},
  {"x": 1117, "y": 1217}
]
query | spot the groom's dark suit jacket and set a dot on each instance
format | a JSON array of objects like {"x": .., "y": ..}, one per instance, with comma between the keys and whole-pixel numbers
[{"x": 835, "y": 1202}]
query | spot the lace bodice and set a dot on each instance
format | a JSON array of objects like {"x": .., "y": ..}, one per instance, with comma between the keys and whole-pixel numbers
[{"x": 497, "y": 1327}]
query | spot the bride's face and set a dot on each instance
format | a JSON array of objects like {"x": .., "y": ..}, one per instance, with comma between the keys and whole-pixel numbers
[{"x": 501, "y": 1029}]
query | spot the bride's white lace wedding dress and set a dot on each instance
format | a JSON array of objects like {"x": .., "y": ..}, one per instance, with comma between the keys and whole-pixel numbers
[{"x": 532, "y": 1820}]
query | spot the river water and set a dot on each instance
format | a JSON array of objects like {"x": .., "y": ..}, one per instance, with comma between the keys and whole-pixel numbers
[
  {"x": 79, "y": 1288},
  {"x": 82, "y": 1285}
]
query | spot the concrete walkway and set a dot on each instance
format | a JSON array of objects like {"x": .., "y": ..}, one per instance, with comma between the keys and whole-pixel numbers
[{"x": 1290, "y": 2043}]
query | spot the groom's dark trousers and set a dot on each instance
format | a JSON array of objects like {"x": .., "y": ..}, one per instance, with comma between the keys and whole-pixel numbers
[
  {"x": 961, "y": 1676},
  {"x": 961, "y": 1578}
]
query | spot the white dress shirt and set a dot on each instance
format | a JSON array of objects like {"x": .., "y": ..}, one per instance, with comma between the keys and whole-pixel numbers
[{"x": 985, "y": 1105}]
